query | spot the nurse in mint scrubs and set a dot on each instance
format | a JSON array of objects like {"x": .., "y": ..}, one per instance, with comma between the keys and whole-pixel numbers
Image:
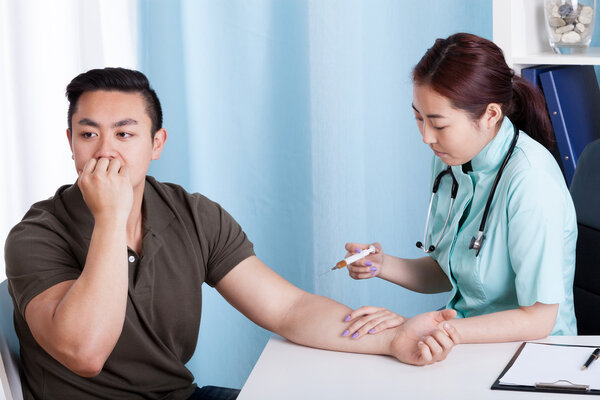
[{"x": 503, "y": 243}]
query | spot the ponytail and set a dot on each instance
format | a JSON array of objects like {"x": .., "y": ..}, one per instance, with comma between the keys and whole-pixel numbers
[{"x": 527, "y": 111}]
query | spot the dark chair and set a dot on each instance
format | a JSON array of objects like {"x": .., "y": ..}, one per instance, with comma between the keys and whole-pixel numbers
[{"x": 585, "y": 190}]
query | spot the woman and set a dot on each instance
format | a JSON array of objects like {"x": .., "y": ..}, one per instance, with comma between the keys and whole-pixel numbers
[{"x": 511, "y": 276}]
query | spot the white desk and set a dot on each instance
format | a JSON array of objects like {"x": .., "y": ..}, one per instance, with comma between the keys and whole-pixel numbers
[{"x": 289, "y": 371}]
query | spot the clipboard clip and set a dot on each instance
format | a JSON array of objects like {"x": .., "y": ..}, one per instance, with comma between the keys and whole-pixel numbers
[{"x": 562, "y": 384}]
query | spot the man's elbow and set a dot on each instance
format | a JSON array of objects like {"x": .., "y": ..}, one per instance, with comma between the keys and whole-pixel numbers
[{"x": 86, "y": 363}]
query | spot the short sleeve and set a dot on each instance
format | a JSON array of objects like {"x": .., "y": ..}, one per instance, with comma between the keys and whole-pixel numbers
[
  {"x": 228, "y": 245},
  {"x": 37, "y": 257},
  {"x": 536, "y": 228}
]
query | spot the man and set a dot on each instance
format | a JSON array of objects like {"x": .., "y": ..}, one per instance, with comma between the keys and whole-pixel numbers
[{"x": 106, "y": 275}]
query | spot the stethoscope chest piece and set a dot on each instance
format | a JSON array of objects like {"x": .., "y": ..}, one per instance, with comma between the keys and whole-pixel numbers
[{"x": 477, "y": 242}]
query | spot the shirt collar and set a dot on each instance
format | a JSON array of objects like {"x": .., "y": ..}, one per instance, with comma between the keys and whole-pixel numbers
[
  {"x": 157, "y": 214},
  {"x": 492, "y": 155}
]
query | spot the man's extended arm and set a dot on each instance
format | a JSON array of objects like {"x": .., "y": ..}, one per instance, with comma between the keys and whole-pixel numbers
[{"x": 277, "y": 305}]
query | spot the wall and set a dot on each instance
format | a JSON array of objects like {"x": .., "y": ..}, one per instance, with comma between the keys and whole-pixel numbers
[{"x": 296, "y": 117}]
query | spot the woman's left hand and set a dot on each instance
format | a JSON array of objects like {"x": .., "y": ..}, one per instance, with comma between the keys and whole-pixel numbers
[{"x": 371, "y": 320}]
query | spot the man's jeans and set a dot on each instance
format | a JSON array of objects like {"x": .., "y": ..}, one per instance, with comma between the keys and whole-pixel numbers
[{"x": 214, "y": 393}]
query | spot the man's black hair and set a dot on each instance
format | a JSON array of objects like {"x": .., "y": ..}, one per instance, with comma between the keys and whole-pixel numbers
[{"x": 119, "y": 79}]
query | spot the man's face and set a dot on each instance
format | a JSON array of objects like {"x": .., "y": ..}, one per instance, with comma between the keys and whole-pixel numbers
[{"x": 115, "y": 125}]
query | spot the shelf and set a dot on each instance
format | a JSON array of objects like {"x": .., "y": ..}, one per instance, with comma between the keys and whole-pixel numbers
[
  {"x": 590, "y": 57},
  {"x": 519, "y": 30}
]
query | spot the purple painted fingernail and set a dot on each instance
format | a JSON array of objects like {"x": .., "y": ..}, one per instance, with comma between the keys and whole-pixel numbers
[
  {"x": 355, "y": 335},
  {"x": 371, "y": 330},
  {"x": 373, "y": 269},
  {"x": 368, "y": 264},
  {"x": 357, "y": 250},
  {"x": 347, "y": 318},
  {"x": 372, "y": 273},
  {"x": 346, "y": 332}
]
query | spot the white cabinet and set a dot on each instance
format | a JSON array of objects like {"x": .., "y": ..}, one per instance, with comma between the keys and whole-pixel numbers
[{"x": 520, "y": 32}]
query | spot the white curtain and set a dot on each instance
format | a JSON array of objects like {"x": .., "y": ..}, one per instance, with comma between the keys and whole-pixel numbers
[{"x": 43, "y": 45}]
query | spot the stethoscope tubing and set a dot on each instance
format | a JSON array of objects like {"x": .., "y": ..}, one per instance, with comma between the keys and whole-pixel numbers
[{"x": 477, "y": 241}]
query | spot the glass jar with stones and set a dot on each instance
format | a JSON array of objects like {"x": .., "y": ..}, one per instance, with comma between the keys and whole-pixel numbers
[{"x": 570, "y": 24}]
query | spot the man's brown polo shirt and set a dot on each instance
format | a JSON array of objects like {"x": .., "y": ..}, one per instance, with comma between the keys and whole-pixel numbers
[{"x": 188, "y": 240}]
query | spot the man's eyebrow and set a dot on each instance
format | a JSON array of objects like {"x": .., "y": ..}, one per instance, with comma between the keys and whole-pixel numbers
[
  {"x": 124, "y": 122},
  {"x": 428, "y": 115},
  {"x": 88, "y": 122}
]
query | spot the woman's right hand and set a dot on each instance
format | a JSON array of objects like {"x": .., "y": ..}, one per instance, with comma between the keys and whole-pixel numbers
[{"x": 368, "y": 267}]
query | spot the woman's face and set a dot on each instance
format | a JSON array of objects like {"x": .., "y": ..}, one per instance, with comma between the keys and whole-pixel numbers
[{"x": 451, "y": 133}]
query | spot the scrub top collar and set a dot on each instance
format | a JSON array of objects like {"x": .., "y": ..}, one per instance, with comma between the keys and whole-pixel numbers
[{"x": 492, "y": 155}]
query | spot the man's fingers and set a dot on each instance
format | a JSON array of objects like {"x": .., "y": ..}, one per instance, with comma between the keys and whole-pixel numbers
[
  {"x": 101, "y": 165},
  {"x": 444, "y": 341},
  {"x": 89, "y": 166},
  {"x": 452, "y": 333},
  {"x": 424, "y": 353},
  {"x": 114, "y": 166},
  {"x": 124, "y": 171},
  {"x": 434, "y": 346},
  {"x": 444, "y": 315}
]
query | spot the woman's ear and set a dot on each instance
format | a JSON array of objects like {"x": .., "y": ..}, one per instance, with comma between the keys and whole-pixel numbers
[{"x": 493, "y": 115}]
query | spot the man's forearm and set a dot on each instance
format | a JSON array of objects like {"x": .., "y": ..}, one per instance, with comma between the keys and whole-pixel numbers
[
  {"x": 89, "y": 318},
  {"x": 275, "y": 304},
  {"x": 318, "y": 321}
]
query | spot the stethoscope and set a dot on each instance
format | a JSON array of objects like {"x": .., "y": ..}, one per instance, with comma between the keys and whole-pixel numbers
[{"x": 476, "y": 242}]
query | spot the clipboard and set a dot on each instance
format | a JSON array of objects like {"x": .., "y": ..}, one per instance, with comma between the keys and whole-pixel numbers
[{"x": 558, "y": 386}]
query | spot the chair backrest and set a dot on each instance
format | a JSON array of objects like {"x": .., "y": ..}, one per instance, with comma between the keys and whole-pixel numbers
[
  {"x": 9, "y": 348},
  {"x": 585, "y": 190}
]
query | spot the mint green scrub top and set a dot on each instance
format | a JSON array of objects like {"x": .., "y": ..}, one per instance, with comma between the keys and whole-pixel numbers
[{"x": 528, "y": 254}]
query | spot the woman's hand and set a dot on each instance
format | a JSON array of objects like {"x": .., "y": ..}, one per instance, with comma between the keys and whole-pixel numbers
[
  {"x": 371, "y": 320},
  {"x": 367, "y": 267}
]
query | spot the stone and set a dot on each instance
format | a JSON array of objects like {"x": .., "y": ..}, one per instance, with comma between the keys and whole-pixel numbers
[
  {"x": 571, "y": 37},
  {"x": 586, "y": 15},
  {"x": 585, "y": 19},
  {"x": 587, "y": 11},
  {"x": 580, "y": 28},
  {"x": 552, "y": 10},
  {"x": 572, "y": 17},
  {"x": 566, "y": 28},
  {"x": 556, "y": 22},
  {"x": 556, "y": 37},
  {"x": 565, "y": 9}
]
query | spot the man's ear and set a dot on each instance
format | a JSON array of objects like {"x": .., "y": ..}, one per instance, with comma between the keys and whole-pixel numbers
[
  {"x": 70, "y": 139},
  {"x": 158, "y": 143}
]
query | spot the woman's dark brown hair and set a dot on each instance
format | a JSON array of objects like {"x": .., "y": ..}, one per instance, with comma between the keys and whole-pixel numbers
[{"x": 471, "y": 72}]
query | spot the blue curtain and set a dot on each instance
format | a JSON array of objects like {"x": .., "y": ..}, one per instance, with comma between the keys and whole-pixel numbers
[{"x": 296, "y": 117}]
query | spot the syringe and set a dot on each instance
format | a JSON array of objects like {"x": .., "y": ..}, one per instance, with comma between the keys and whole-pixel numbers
[{"x": 353, "y": 258}]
